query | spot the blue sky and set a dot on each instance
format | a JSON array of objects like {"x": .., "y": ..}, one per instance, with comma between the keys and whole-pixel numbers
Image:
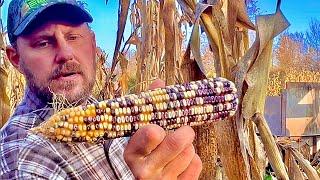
[{"x": 297, "y": 12}]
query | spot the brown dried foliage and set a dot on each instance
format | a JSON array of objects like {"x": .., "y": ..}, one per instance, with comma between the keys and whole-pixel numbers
[{"x": 157, "y": 36}]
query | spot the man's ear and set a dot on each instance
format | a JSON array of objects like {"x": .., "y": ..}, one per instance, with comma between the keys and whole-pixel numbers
[
  {"x": 94, "y": 38},
  {"x": 13, "y": 56}
]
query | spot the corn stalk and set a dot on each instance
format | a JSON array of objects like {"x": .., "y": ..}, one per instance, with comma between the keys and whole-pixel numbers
[
  {"x": 226, "y": 24},
  {"x": 4, "y": 99},
  {"x": 4, "y": 67},
  {"x": 221, "y": 27}
]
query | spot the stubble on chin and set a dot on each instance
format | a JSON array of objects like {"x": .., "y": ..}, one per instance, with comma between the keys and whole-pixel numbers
[
  {"x": 47, "y": 91},
  {"x": 69, "y": 90}
]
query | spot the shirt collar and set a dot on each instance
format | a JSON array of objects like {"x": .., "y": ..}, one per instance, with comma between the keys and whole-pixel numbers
[{"x": 33, "y": 104}]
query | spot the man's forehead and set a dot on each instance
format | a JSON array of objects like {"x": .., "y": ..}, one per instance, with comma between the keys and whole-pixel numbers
[{"x": 50, "y": 26}]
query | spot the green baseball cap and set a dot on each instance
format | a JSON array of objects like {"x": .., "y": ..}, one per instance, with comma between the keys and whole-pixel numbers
[{"x": 22, "y": 13}]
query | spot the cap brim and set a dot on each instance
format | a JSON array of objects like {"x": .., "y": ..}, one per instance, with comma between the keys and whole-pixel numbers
[{"x": 82, "y": 14}]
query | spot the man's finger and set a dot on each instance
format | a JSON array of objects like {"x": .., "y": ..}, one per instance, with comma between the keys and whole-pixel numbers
[
  {"x": 172, "y": 145},
  {"x": 179, "y": 164},
  {"x": 193, "y": 171},
  {"x": 145, "y": 140}
]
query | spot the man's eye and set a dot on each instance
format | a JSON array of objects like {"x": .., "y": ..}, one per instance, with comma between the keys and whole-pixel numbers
[
  {"x": 42, "y": 44},
  {"x": 73, "y": 37}
]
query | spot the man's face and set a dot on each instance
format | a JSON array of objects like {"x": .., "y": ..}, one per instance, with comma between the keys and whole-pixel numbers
[{"x": 59, "y": 58}]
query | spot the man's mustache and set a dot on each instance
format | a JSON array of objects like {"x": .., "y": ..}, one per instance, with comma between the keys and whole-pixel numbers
[{"x": 66, "y": 69}]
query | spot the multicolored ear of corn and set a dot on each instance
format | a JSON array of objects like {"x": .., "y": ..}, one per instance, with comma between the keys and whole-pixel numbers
[{"x": 193, "y": 104}]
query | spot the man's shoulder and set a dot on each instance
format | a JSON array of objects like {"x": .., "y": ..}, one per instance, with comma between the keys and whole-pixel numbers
[
  {"x": 12, "y": 136},
  {"x": 23, "y": 153},
  {"x": 18, "y": 124}
]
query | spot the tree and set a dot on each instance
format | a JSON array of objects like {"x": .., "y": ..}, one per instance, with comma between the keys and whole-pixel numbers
[
  {"x": 313, "y": 37},
  {"x": 252, "y": 8},
  {"x": 289, "y": 52}
]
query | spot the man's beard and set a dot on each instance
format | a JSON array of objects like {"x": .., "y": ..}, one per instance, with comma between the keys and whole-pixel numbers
[{"x": 45, "y": 91}]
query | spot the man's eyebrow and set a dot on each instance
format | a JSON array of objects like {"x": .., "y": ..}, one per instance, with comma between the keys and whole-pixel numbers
[
  {"x": 38, "y": 35},
  {"x": 41, "y": 36}
]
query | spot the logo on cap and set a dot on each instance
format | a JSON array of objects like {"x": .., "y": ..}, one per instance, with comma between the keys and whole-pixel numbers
[{"x": 31, "y": 5}]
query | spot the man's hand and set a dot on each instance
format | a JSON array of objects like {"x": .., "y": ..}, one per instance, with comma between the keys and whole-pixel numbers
[{"x": 153, "y": 154}]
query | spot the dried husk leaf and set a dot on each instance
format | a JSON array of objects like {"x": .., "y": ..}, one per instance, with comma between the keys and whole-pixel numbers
[
  {"x": 293, "y": 168},
  {"x": 124, "y": 78},
  {"x": 232, "y": 157},
  {"x": 255, "y": 172},
  {"x": 270, "y": 146},
  {"x": 258, "y": 160},
  {"x": 101, "y": 75},
  {"x": 4, "y": 99},
  {"x": 195, "y": 46},
  {"x": 305, "y": 165},
  {"x": 256, "y": 78},
  {"x": 236, "y": 15},
  {"x": 187, "y": 64},
  {"x": 122, "y": 19},
  {"x": 214, "y": 25}
]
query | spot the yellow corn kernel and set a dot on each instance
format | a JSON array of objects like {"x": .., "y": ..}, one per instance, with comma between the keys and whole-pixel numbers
[
  {"x": 96, "y": 133},
  {"x": 90, "y": 133},
  {"x": 59, "y": 137},
  {"x": 70, "y": 120},
  {"x": 77, "y": 134},
  {"x": 70, "y": 126},
  {"x": 83, "y": 133},
  {"x": 72, "y": 113}
]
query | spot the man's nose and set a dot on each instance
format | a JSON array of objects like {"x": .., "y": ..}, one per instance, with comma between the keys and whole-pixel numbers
[{"x": 64, "y": 51}]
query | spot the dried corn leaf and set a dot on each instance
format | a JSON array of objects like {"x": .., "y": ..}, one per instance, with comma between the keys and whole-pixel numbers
[
  {"x": 236, "y": 14},
  {"x": 270, "y": 146},
  {"x": 305, "y": 165},
  {"x": 293, "y": 168},
  {"x": 186, "y": 9},
  {"x": 2, "y": 43},
  {"x": 143, "y": 51},
  {"x": 187, "y": 64},
  {"x": 124, "y": 78},
  {"x": 4, "y": 99},
  {"x": 242, "y": 16},
  {"x": 122, "y": 19},
  {"x": 214, "y": 24},
  {"x": 101, "y": 75},
  {"x": 256, "y": 78},
  {"x": 233, "y": 158},
  {"x": 15, "y": 87},
  {"x": 123, "y": 62},
  {"x": 195, "y": 46},
  {"x": 258, "y": 161}
]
